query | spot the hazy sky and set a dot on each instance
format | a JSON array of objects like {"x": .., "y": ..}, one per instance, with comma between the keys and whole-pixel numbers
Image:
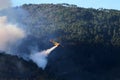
[{"x": 108, "y": 4}]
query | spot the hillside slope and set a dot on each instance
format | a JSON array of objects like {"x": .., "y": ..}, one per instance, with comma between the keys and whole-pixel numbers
[
  {"x": 90, "y": 38},
  {"x": 72, "y": 24}
]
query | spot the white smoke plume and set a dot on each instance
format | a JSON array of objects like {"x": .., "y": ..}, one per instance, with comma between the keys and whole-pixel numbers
[
  {"x": 9, "y": 33},
  {"x": 5, "y": 4},
  {"x": 40, "y": 58}
]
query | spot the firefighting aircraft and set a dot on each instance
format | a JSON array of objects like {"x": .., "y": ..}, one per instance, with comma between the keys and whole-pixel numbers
[{"x": 55, "y": 43}]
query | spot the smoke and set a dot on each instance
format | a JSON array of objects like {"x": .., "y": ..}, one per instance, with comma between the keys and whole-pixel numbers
[
  {"x": 9, "y": 34},
  {"x": 40, "y": 58},
  {"x": 5, "y": 4},
  {"x": 16, "y": 41}
]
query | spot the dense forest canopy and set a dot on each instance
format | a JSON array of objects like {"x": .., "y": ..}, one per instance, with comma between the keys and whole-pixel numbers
[{"x": 74, "y": 24}]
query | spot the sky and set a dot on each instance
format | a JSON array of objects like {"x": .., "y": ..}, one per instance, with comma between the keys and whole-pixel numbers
[{"x": 107, "y": 4}]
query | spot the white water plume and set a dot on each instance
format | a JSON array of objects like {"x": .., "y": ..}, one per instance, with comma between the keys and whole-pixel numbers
[{"x": 40, "y": 58}]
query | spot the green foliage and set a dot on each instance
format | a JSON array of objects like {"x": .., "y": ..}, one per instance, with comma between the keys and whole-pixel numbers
[{"x": 74, "y": 24}]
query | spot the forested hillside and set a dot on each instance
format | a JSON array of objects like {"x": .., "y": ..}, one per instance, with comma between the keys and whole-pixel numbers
[
  {"x": 73, "y": 24},
  {"x": 91, "y": 40}
]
